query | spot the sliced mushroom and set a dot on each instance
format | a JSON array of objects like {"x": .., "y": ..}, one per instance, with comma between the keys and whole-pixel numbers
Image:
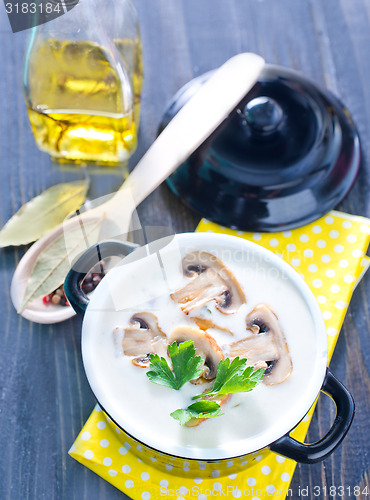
[
  {"x": 266, "y": 347},
  {"x": 206, "y": 347},
  {"x": 211, "y": 280},
  {"x": 142, "y": 338}
]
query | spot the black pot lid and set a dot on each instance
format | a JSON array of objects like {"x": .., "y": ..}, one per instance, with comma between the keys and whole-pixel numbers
[{"x": 287, "y": 155}]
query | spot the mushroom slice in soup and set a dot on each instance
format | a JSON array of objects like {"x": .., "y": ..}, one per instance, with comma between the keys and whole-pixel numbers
[
  {"x": 211, "y": 280},
  {"x": 266, "y": 347},
  {"x": 206, "y": 347},
  {"x": 142, "y": 338}
]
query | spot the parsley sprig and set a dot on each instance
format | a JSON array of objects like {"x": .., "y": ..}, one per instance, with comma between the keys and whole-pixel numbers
[
  {"x": 198, "y": 410},
  {"x": 186, "y": 366},
  {"x": 232, "y": 376}
]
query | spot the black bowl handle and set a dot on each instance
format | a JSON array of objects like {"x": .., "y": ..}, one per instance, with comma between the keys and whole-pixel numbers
[
  {"x": 312, "y": 453},
  {"x": 92, "y": 256}
]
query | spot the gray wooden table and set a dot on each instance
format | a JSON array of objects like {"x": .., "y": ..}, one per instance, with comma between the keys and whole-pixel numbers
[{"x": 44, "y": 395}]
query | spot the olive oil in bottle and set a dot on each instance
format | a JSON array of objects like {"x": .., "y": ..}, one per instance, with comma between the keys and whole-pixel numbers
[{"x": 83, "y": 102}]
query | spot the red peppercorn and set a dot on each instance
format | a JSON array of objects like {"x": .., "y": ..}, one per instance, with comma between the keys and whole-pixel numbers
[{"x": 47, "y": 299}]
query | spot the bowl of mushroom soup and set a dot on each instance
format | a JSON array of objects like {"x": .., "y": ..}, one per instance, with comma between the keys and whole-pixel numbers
[{"x": 206, "y": 347}]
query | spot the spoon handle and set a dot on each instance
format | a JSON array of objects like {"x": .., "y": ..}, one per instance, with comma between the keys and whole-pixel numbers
[{"x": 194, "y": 123}]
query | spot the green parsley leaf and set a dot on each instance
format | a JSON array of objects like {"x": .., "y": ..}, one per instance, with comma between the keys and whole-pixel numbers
[
  {"x": 186, "y": 366},
  {"x": 198, "y": 410},
  {"x": 234, "y": 376}
]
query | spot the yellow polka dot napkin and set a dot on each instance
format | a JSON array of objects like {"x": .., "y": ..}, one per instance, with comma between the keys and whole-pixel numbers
[{"x": 329, "y": 254}]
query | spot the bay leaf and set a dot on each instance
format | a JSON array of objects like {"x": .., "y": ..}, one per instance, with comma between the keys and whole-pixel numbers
[
  {"x": 43, "y": 213},
  {"x": 53, "y": 263}
]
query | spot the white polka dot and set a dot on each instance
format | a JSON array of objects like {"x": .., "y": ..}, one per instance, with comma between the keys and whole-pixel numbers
[
  {"x": 217, "y": 486},
  {"x": 317, "y": 283},
  {"x": 240, "y": 233},
  {"x": 145, "y": 476},
  {"x": 180, "y": 498},
  {"x": 186, "y": 464},
  {"x": 326, "y": 314},
  {"x": 72, "y": 449},
  {"x": 185, "y": 468},
  {"x": 326, "y": 258},
  {"x": 104, "y": 443},
  {"x": 169, "y": 466},
  {"x": 340, "y": 304},
  {"x": 215, "y": 473},
  {"x": 334, "y": 234},
  {"x": 316, "y": 229},
  {"x": 295, "y": 262},
  {"x": 202, "y": 466},
  {"x": 351, "y": 238},
  {"x": 202, "y": 497},
  {"x": 129, "y": 483},
  {"x": 209, "y": 231},
  {"x": 335, "y": 288},
  {"x": 198, "y": 480},
  {"x": 127, "y": 445},
  {"x": 88, "y": 454},
  {"x": 251, "y": 481},
  {"x": 306, "y": 418},
  {"x": 365, "y": 228},
  {"x": 163, "y": 483},
  {"x": 348, "y": 278},
  {"x": 145, "y": 495},
  {"x": 304, "y": 238},
  {"x": 265, "y": 470},
  {"x": 365, "y": 262},
  {"x": 308, "y": 253},
  {"x": 321, "y": 299},
  {"x": 122, "y": 451},
  {"x": 139, "y": 447},
  {"x": 312, "y": 268},
  {"x": 280, "y": 459},
  {"x": 153, "y": 459},
  {"x": 183, "y": 490},
  {"x": 107, "y": 461},
  {"x": 230, "y": 463},
  {"x": 232, "y": 476},
  {"x": 256, "y": 498},
  {"x": 126, "y": 469},
  {"x": 270, "y": 489},
  {"x": 321, "y": 243},
  {"x": 259, "y": 458},
  {"x": 139, "y": 460},
  {"x": 244, "y": 462},
  {"x": 274, "y": 242},
  {"x": 287, "y": 234},
  {"x": 347, "y": 224},
  {"x": 85, "y": 436},
  {"x": 118, "y": 431},
  {"x": 101, "y": 424},
  {"x": 291, "y": 247},
  {"x": 330, "y": 273},
  {"x": 257, "y": 236},
  {"x": 343, "y": 263},
  {"x": 237, "y": 493},
  {"x": 338, "y": 248},
  {"x": 97, "y": 408},
  {"x": 357, "y": 253},
  {"x": 112, "y": 472},
  {"x": 285, "y": 477},
  {"x": 329, "y": 219},
  {"x": 332, "y": 332}
]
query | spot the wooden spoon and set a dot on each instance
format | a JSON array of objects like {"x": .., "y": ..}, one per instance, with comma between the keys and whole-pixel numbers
[{"x": 199, "y": 117}]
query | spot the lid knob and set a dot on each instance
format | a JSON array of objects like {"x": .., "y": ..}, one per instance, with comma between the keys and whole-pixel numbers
[{"x": 263, "y": 115}]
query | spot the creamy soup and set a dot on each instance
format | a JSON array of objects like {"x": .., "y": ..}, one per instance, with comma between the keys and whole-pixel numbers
[{"x": 144, "y": 283}]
